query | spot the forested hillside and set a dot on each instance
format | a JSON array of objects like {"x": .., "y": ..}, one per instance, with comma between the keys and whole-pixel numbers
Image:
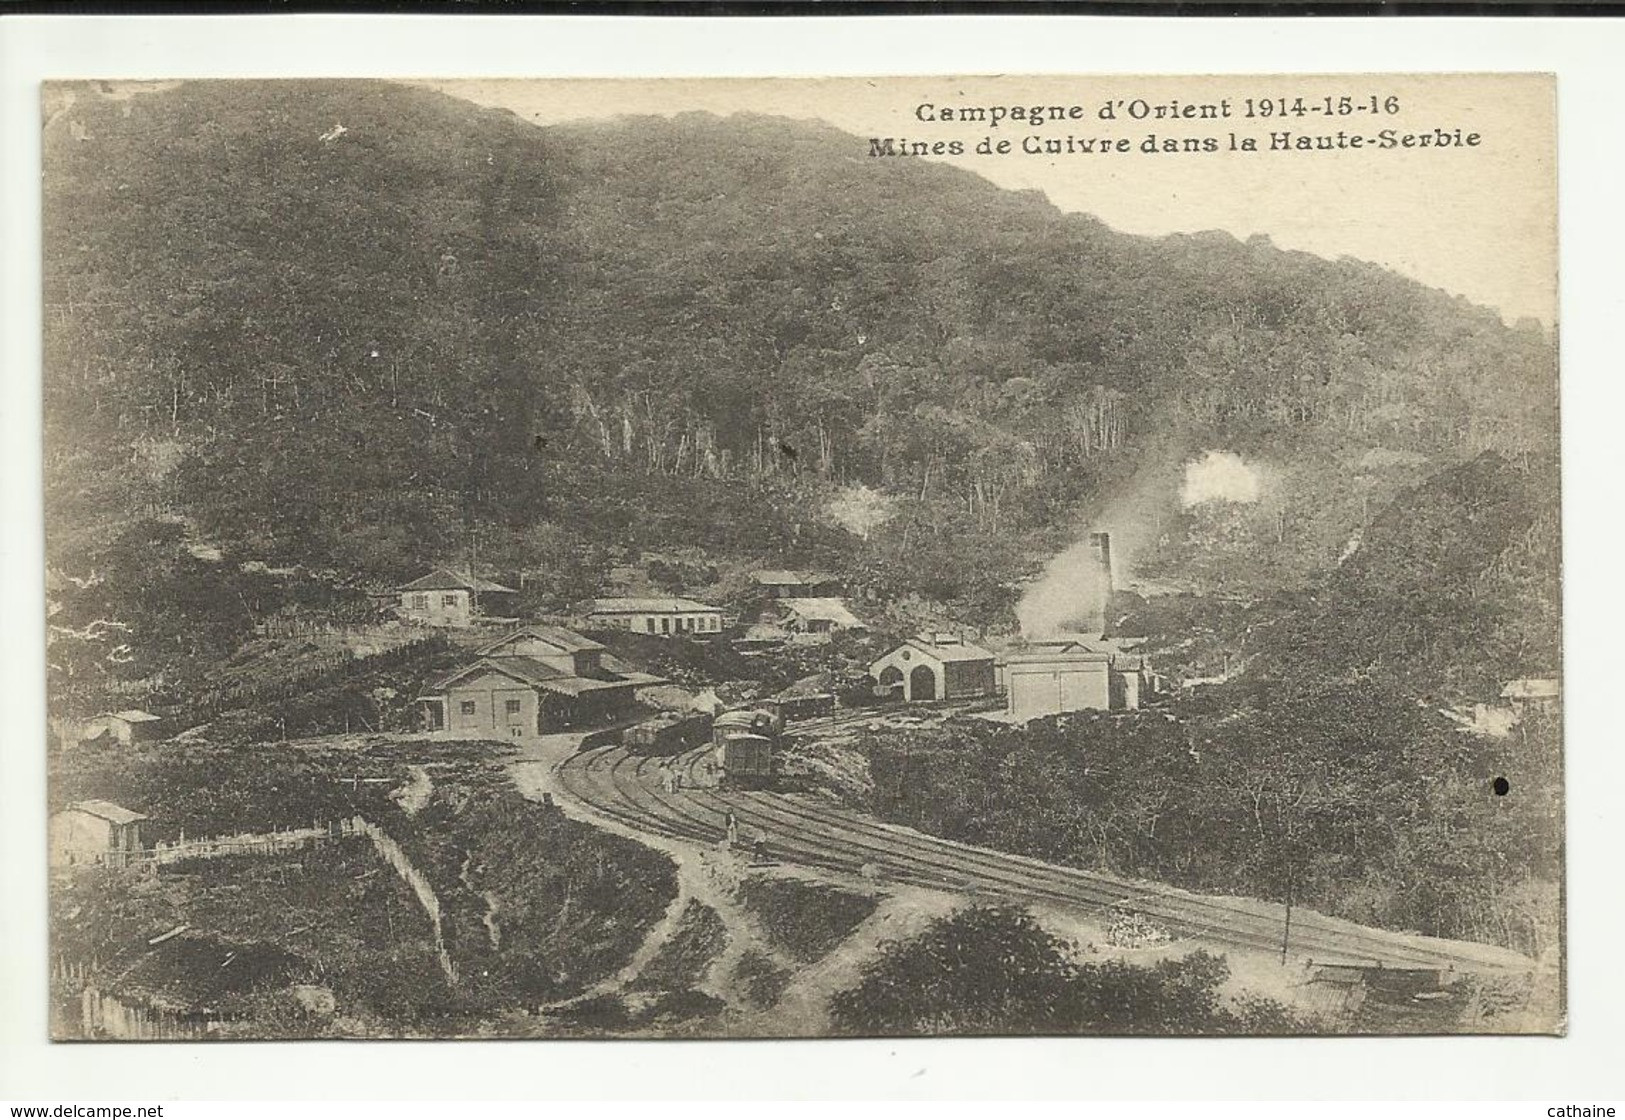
[{"x": 362, "y": 327}]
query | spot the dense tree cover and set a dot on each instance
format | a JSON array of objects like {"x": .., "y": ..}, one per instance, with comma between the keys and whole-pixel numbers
[
  {"x": 1351, "y": 798},
  {"x": 994, "y": 970},
  {"x": 1454, "y": 589},
  {"x": 438, "y": 332}
]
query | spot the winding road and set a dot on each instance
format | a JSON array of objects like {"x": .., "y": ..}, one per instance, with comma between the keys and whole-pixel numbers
[{"x": 613, "y": 783}]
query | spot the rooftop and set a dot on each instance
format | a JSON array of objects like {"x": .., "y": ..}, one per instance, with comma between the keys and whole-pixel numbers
[
  {"x": 648, "y": 606},
  {"x": 107, "y": 811},
  {"x": 453, "y": 579},
  {"x": 567, "y": 641},
  {"x": 822, "y": 609},
  {"x": 944, "y": 647},
  {"x": 135, "y": 715},
  {"x": 787, "y": 578}
]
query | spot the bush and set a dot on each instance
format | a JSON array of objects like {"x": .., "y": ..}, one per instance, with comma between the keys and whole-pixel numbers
[
  {"x": 990, "y": 970},
  {"x": 807, "y": 919}
]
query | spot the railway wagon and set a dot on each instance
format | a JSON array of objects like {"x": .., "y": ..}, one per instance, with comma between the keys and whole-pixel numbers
[
  {"x": 794, "y": 708},
  {"x": 669, "y": 733},
  {"x": 745, "y": 740}
]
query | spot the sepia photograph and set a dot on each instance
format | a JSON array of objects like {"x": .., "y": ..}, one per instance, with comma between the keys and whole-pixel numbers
[{"x": 894, "y": 557}]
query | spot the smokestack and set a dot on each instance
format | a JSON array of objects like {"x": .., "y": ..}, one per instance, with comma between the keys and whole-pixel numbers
[{"x": 1100, "y": 553}]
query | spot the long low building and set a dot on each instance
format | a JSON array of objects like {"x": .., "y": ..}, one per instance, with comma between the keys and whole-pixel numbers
[
  {"x": 536, "y": 680},
  {"x": 655, "y": 616}
]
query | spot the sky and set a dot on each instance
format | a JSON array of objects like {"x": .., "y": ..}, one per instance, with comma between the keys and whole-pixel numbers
[{"x": 1478, "y": 222}]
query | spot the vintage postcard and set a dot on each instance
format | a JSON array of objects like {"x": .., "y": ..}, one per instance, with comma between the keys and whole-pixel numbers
[{"x": 1066, "y": 555}]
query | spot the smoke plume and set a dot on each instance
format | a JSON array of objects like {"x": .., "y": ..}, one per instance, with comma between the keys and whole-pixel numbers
[{"x": 1218, "y": 476}]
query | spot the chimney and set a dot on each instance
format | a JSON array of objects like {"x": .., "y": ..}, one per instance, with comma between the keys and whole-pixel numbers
[{"x": 1100, "y": 552}]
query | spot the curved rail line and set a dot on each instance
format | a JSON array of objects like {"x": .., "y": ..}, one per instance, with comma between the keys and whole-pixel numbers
[{"x": 621, "y": 786}]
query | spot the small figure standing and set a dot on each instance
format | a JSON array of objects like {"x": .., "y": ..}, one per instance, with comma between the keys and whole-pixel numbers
[
  {"x": 733, "y": 831},
  {"x": 758, "y": 848},
  {"x": 668, "y": 777}
]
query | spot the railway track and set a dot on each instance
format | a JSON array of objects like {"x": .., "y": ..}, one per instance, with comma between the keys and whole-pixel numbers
[{"x": 626, "y": 788}]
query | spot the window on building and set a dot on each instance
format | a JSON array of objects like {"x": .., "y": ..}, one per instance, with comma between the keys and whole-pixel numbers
[
  {"x": 468, "y": 707},
  {"x": 651, "y": 623},
  {"x": 448, "y": 600},
  {"x": 512, "y": 707},
  {"x": 420, "y": 602},
  {"x": 665, "y": 626}
]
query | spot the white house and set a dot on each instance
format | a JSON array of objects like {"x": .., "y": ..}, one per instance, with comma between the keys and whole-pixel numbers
[
  {"x": 448, "y": 597},
  {"x": 86, "y": 832},
  {"x": 655, "y": 616}
]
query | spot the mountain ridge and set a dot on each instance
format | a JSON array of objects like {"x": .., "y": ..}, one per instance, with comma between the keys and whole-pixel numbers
[{"x": 391, "y": 328}]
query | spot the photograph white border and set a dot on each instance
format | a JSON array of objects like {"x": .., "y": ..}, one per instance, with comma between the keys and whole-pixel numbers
[{"x": 1583, "y": 53}]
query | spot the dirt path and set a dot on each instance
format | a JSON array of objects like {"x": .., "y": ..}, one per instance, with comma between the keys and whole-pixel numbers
[
  {"x": 415, "y": 794},
  {"x": 705, "y": 874},
  {"x": 803, "y": 1009}
]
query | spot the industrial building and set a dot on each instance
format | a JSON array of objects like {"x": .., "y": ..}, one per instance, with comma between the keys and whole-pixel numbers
[
  {"x": 530, "y": 682},
  {"x": 936, "y": 667},
  {"x": 1072, "y": 673}
]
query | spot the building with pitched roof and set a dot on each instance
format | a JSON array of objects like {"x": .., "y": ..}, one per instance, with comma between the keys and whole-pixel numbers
[
  {"x": 450, "y": 597},
  {"x": 535, "y": 680},
  {"x": 129, "y": 726},
  {"x": 88, "y": 832},
  {"x": 785, "y": 584},
  {"x": 936, "y": 667},
  {"x": 817, "y": 616},
  {"x": 655, "y": 616}
]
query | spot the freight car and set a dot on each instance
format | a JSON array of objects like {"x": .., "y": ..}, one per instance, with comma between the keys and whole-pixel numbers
[
  {"x": 745, "y": 740},
  {"x": 793, "y": 708},
  {"x": 668, "y": 733}
]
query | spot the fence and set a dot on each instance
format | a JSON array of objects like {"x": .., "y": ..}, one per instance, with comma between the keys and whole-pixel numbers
[
  {"x": 270, "y": 843},
  {"x": 294, "y": 839},
  {"x": 105, "y": 1016}
]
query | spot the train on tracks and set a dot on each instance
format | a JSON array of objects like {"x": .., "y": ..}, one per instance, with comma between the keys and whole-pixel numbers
[
  {"x": 746, "y": 741},
  {"x": 792, "y": 708},
  {"x": 668, "y": 733}
]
